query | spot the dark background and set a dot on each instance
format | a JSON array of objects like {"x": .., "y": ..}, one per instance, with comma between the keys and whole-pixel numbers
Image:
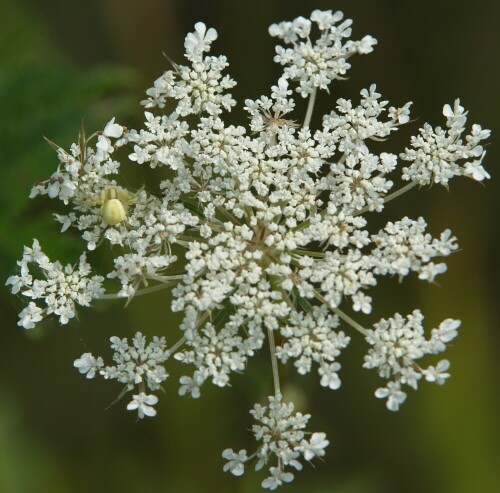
[{"x": 61, "y": 60}]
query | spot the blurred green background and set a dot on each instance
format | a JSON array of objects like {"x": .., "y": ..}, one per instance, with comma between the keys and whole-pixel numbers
[{"x": 61, "y": 60}]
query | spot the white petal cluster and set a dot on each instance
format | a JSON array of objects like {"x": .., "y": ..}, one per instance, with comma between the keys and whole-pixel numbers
[
  {"x": 197, "y": 88},
  {"x": 143, "y": 404},
  {"x": 317, "y": 65},
  {"x": 134, "y": 269},
  {"x": 350, "y": 127},
  {"x": 161, "y": 142},
  {"x": 282, "y": 434},
  {"x": 259, "y": 230},
  {"x": 438, "y": 154},
  {"x": 88, "y": 365},
  {"x": 215, "y": 354},
  {"x": 83, "y": 171},
  {"x": 52, "y": 287},
  {"x": 137, "y": 365},
  {"x": 396, "y": 344},
  {"x": 267, "y": 112},
  {"x": 312, "y": 337},
  {"x": 404, "y": 246}
]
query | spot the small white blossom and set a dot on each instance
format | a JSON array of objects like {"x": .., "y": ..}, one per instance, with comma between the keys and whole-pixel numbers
[
  {"x": 200, "y": 40},
  {"x": 395, "y": 397},
  {"x": 313, "y": 337},
  {"x": 191, "y": 386},
  {"x": 438, "y": 373},
  {"x": 277, "y": 478},
  {"x": 143, "y": 404},
  {"x": 88, "y": 365},
  {"x": 30, "y": 316},
  {"x": 315, "y": 447},
  {"x": 404, "y": 246},
  {"x": 113, "y": 130},
  {"x": 235, "y": 462}
]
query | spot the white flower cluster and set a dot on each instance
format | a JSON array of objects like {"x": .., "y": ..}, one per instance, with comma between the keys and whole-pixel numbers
[
  {"x": 259, "y": 232},
  {"x": 282, "y": 436},
  {"x": 199, "y": 87},
  {"x": 59, "y": 290},
  {"x": 437, "y": 155},
  {"x": 137, "y": 365},
  {"x": 404, "y": 246},
  {"x": 316, "y": 65},
  {"x": 312, "y": 337},
  {"x": 397, "y": 343}
]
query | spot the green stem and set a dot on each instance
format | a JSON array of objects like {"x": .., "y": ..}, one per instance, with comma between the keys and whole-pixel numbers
[
  {"x": 309, "y": 253},
  {"x": 151, "y": 289},
  {"x": 176, "y": 277},
  {"x": 341, "y": 314},
  {"x": 310, "y": 108},
  {"x": 391, "y": 196},
  {"x": 228, "y": 215},
  {"x": 274, "y": 362},
  {"x": 177, "y": 345}
]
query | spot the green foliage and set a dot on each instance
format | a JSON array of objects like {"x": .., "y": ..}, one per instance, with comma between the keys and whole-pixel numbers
[{"x": 41, "y": 95}]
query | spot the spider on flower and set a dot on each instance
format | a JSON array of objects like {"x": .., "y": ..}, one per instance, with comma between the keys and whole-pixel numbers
[{"x": 114, "y": 202}]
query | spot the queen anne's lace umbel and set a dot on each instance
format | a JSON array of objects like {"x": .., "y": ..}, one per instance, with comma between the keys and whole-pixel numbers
[{"x": 272, "y": 246}]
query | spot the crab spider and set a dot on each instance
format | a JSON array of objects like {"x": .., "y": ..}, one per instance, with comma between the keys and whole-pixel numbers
[{"x": 114, "y": 202}]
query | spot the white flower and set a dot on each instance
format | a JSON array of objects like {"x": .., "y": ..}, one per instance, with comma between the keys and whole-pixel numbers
[
  {"x": 138, "y": 365},
  {"x": 395, "y": 397},
  {"x": 277, "y": 478},
  {"x": 439, "y": 373},
  {"x": 190, "y": 385},
  {"x": 113, "y": 130},
  {"x": 30, "y": 316},
  {"x": 235, "y": 462},
  {"x": 200, "y": 40},
  {"x": 475, "y": 170},
  {"x": 315, "y": 447},
  {"x": 404, "y": 246},
  {"x": 143, "y": 404},
  {"x": 447, "y": 330},
  {"x": 264, "y": 233},
  {"x": 197, "y": 88},
  {"x": 88, "y": 365}
]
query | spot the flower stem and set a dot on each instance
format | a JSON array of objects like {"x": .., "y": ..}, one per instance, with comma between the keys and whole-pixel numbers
[
  {"x": 341, "y": 314},
  {"x": 164, "y": 279},
  {"x": 401, "y": 191},
  {"x": 177, "y": 345},
  {"x": 228, "y": 215},
  {"x": 309, "y": 253},
  {"x": 151, "y": 289},
  {"x": 310, "y": 108},
  {"x": 274, "y": 362},
  {"x": 391, "y": 196}
]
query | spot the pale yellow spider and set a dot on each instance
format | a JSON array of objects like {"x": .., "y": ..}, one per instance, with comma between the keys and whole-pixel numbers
[{"x": 114, "y": 202}]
